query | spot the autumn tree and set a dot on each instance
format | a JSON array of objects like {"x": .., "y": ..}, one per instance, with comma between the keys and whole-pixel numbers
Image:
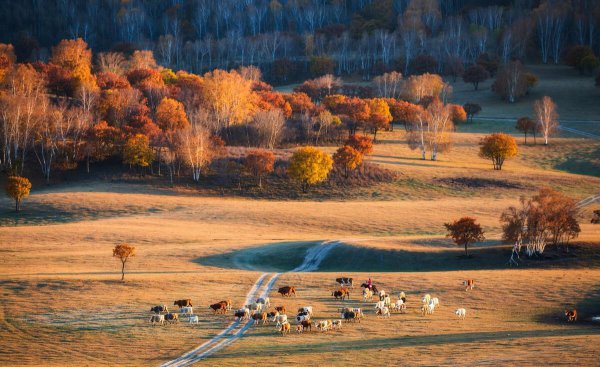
[
  {"x": 432, "y": 130},
  {"x": 347, "y": 158},
  {"x": 546, "y": 117},
  {"x": 527, "y": 126},
  {"x": 389, "y": 85},
  {"x": 137, "y": 151},
  {"x": 228, "y": 97},
  {"x": 498, "y": 147},
  {"x": 379, "y": 116},
  {"x": 425, "y": 85},
  {"x": 101, "y": 142},
  {"x": 259, "y": 163},
  {"x": 403, "y": 111},
  {"x": 464, "y": 232},
  {"x": 8, "y": 59},
  {"x": 471, "y": 109},
  {"x": 123, "y": 252},
  {"x": 75, "y": 57},
  {"x": 475, "y": 74},
  {"x": 196, "y": 148},
  {"x": 309, "y": 166},
  {"x": 361, "y": 143},
  {"x": 511, "y": 82},
  {"x": 17, "y": 188}
]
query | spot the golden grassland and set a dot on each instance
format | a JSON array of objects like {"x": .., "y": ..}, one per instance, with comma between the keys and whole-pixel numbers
[{"x": 62, "y": 303}]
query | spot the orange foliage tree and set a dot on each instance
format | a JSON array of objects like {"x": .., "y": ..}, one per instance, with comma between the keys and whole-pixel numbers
[
  {"x": 379, "y": 116},
  {"x": 363, "y": 144},
  {"x": 259, "y": 163},
  {"x": 464, "y": 232},
  {"x": 347, "y": 158},
  {"x": 75, "y": 57},
  {"x": 17, "y": 188},
  {"x": 498, "y": 147},
  {"x": 123, "y": 252}
]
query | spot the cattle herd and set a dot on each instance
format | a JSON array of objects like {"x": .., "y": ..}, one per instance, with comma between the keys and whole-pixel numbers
[{"x": 259, "y": 312}]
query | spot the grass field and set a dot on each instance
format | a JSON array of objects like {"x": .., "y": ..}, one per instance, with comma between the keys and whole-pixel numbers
[{"x": 63, "y": 304}]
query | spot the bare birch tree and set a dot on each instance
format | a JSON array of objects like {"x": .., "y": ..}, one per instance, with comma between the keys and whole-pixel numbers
[{"x": 546, "y": 117}]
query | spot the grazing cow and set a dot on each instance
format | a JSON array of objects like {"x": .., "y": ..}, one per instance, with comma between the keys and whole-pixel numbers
[
  {"x": 281, "y": 319},
  {"x": 227, "y": 304},
  {"x": 469, "y": 284},
  {"x": 356, "y": 310},
  {"x": 299, "y": 329},
  {"x": 287, "y": 291},
  {"x": 159, "y": 309},
  {"x": 183, "y": 303},
  {"x": 383, "y": 312},
  {"x": 218, "y": 307},
  {"x": 284, "y": 328},
  {"x": 351, "y": 315},
  {"x": 306, "y": 325},
  {"x": 461, "y": 313},
  {"x": 336, "y": 324},
  {"x": 426, "y": 298},
  {"x": 193, "y": 319},
  {"x": 302, "y": 318},
  {"x": 259, "y": 316},
  {"x": 280, "y": 309},
  {"x": 367, "y": 295},
  {"x": 157, "y": 319},
  {"x": 264, "y": 301},
  {"x": 242, "y": 314},
  {"x": 344, "y": 281},
  {"x": 571, "y": 315},
  {"x": 172, "y": 318},
  {"x": 324, "y": 325},
  {"x": 307, "y": 309},
  {"x": 339, "y": 295},
  {"x": 186, "y": 311}
]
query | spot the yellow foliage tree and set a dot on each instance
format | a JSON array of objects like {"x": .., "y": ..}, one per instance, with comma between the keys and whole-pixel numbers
[
  {"x": 137, "y": 151},
  {"x": 17, "y": 188},
  {"x": 170, "y": 115},
  {"x": 498, "y": 147},
  {"x": 228, "y": 97},
  {"x": 123, "y": 252},
  {"x": 76, "y": 57},
  {"x": 309, "y": 166}
]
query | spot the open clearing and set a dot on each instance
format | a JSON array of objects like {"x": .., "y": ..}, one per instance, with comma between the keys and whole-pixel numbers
[{"x": 62, "y": 302}]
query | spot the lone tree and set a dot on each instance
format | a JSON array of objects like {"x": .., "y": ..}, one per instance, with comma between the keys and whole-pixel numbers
[
  {"x": 475, "y": 74},
  {"x": 471, "y": 109},
  {"x": 498, "y": 147},
  {"x": 18, "y": 188},
  {"x": 546, "y": 116},
  {"x": 123, "y": 252},
  {"x": 309, "y": 166},
  {"x": 526, "y": 125},
  {"x": 347, "y": 158},
  {"x": 259, "y": 163},
  {"x": 465, "y": 232}
]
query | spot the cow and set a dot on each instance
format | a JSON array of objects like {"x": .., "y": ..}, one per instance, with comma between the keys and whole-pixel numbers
[
  {"x": 281, "y": 319},
  {"x": 157, "y": 319},
  {"x": 172, "y": 318},
  {"x": 356, "y": 310},
  {"x": 402, "y": 296},
  {"x": 284, "y": 328},
  {"x": 193, "y": 319},
  {"x": 287, "y": 291},
  {"x": 159, "y": 309},
  {"x": 426, "y": 299},
  {"x": 307, "y": 309},
  {"x": 382, "y": 295},
  {"x": 256, "y": 307},
  {"x": 280, "y": 309},
  {"x": 306, "y": 325},
  {"x": 227, "y": 304},
  {"x": 399, "y": 305},
  {"x": 264, "y": 301},
  {"x": 259, "y": 316},
  {"x": 367, "y": 295},
  {"x": 302, "y": 318},
  {"x": 383, "y": 312},
  {"x": 351, "y": 315},
  {"x": 218, "y": 307},
  {"x": 380, "y": 304},
  {"x": 324, "y": 325},
  {"x": 571, "y": 315},
  {"x": 469, "y": 284},
  {"x": 435, "y": 301},
  {"x": 428, "y": 308},
  {"x": 272, "y": 315},
  {"x": 299, "y": 329},
  {"x": 186, "y": 310},
  {"x": 242, "y": 314},
  {"x": 461, "y": 313},
  {"x": 337, "y": 324},
  {"x": 338, "y": 295},
  {"x": 183, "y": 303},
  {"x": 387, "y": 300},
  {"x": 344, "y": 281}
]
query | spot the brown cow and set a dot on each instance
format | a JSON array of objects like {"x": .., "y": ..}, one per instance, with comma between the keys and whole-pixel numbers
[
  {"x": 259, "y": 316},
  {"x": 469, "y": 284},
  {"x": 306, "y": 325},
  {"x": 571, "y": 315},
  {"x": 280, "y": 309},
  {"x": 183, "y": 303},
  {"x": 219, "y": 307},
  {"x": 284, "y": 328},
  {"x": 171, "y": 318},
  {"x": 287, "y": 291},
  {"x": 227, "y": 304}
]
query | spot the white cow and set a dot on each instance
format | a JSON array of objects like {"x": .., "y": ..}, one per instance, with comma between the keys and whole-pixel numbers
[
  {"x": 436, "y": 301},
  {"x": 281, "y": 319},
  {"x": 461, "y": 313},
  {"x": 186, "y": 310},
  {"x": 398, "y": 306},
  {"x": 299, "y": 319},
  {"x": 367, "y": 295},
  {"x": 265, "y": 301},
  {"x": 383, "y": 312},
  {"x": 157, "y": 319},
  {"x": 193, "y": 319},
  {"x": 337, "y": 324},
  {"x": 379, "y": 304},
  {"x": 387, "y": 300},
  {"x": 307, "y": 309}
]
